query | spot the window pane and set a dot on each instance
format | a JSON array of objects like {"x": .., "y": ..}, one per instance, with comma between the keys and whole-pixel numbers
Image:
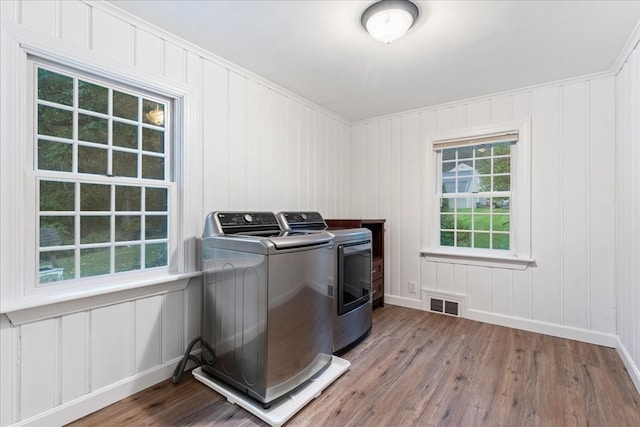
[
  {"x": 501, "y": 222},
  {"x": 465, "y": 152},
  {"x": 447, "y": 205},
  {"x": 95, "y": 229},
  {"x": 95, "y": 262},
  {"x": 155, "y": 227},
  {"x": 449, "y": 154},
  {"x": 56, "y": 265},
  {"x": 55, "y": 87},
  {"x": 483, "y": 166},
  {"x": 446, "y": 238},
  {"x": 502, "y": 149},
  {"x": 501, "y": 203},
  {"x": 156, "y": 199},
  {"x": 127, "y": 258},
  {"x": 95, "y": 197},
  {"x": 92, "y": 160},
  {"x": 155, "y": 255},
  {"x": 56, "y": 230},
  {"x": 501, "y": 241},
  {"x": 55, "y": 122},
  {"x": 481, "y": 240},
  {"x": 128, "y": 198},
  {"x": 127, "y": 228},
  {"x": 93, "y": 129},
  {"x": 153, "y": 112},
  {"x": 93, "y": 97},
  {"x": 57, "y": 196},
  {"x": 125, "y": 135},
  {"x": 152, "y": 167},
  {"x": 55, "y": 156},
  {"x": 152, "y": 140},
  {"x": 447, "y": 222},
  {"x": 125, "y": 164},
  {"x": 483, "y": 150},
  {"x": 125, "y": 105},
  {"x": 449, "y": 185},
  {"x": 502, "y": 183},
  {"x": 463, "y": 239},
  {"x": 463, "y": 221},
  {"x": 481, "y": 222},
  {"x": 502, "y": 165}
]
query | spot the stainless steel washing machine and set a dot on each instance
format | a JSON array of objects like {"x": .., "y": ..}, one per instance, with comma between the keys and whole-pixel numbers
[
  {"x": 266, "y": 303},
  {"x": 350, "y": 274}
]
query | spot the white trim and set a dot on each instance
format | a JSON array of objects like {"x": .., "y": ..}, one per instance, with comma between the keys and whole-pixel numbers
[
  {"x": 47, "y": 306},
  {"x": 552, "y": 329},
  {"x": 627, "y": 360},
  {"x": 403, "y": 301},
  {"x": 629, "y": 46},
  {"x": 484, "y": 260}
]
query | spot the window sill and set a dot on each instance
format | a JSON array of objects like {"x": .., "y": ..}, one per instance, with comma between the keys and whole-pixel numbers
[
  {"x": 484, "y": 260},
  {"x": 38, "y": 307}
]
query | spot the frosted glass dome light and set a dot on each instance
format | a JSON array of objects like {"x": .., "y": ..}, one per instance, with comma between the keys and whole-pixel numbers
[{"x": 388, "y": 20}]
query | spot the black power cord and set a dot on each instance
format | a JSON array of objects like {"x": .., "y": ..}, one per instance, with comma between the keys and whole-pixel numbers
[{"x": 177, "y": 373}]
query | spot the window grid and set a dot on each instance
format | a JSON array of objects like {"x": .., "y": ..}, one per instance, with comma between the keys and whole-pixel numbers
[
  {"x": 475, "y": 196},
  {"x": 78, "y": 241}
]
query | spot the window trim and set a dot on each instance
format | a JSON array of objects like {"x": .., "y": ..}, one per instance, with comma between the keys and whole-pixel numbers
[
  {"x": 18, "y": 192},
  {"x": 519, "y": 254}
]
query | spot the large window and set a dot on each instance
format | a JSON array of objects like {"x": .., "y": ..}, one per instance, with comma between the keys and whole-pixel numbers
[
  {"x": 475, "y": 196},
  {"x": 103, "y": 176}
]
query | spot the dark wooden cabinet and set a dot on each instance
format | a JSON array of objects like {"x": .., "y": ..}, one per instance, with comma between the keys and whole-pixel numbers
[{"x": 377, "y": 250}]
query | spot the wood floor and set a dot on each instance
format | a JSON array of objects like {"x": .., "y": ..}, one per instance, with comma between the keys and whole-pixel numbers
[{"x": 426, "y": 369}]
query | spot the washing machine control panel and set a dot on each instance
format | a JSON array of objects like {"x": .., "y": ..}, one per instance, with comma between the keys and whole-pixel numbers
[{"x": 234, "y": 219}]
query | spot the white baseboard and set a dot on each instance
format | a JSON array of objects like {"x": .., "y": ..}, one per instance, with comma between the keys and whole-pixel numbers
[
  {"x": 632, "y": 368},
  {"x": 561, "y": 331},
  {"x": 403, "y": 301},
  {"x": 85, "y": 405}
]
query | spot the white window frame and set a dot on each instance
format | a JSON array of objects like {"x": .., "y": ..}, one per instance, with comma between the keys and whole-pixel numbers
[
  {"x": 519, "y": 254},
  {"x": 20, "y": 298}
]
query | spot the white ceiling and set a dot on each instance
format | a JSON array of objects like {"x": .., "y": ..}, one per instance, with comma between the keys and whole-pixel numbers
[{"x": 456, "y": 50}]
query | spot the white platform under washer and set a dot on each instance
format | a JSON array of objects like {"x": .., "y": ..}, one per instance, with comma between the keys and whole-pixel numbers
[{"x": 286, "y": 407}]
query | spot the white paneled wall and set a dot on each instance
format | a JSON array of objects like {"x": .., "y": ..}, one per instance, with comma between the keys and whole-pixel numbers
[
  {"x": 628, "y": 213},
  {"x": 253, "y": 146},
  {"x": 570, "y": 289}
]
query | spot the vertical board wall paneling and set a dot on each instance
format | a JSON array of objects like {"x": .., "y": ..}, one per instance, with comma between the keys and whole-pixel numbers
[
  {"x": 410, "y": 181},
  {"x": 149, "y": 52},
  {"x": 173, "y": 322},
  {"x": 601, "y": 178},
  {"x": 74, "y": 356},
  {"x": 73, "y": 23},
  {"x": 237, "y": 142},
  {"x": 112, "y": 37},
  {"x": 215, "y": 131},
  {"x": 253, "y": 161},
  {"x": 40, "y": 16},
  {"x": 148, "y": 333},
  {"x": 38, "y": 367},
  {"x": 575, "y": 200},
  {"x": 358, "y": 171},
  {"x": 372, "y": 170},
  {"x": 394, "y": 226},
  {"x": 293, "y": 154},
  {"x": 546, "y": 184},
  {"x": 112, "y": 337}
]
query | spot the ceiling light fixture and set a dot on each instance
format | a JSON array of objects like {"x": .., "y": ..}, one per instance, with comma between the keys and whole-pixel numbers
[{"x": 388, "y": 20}]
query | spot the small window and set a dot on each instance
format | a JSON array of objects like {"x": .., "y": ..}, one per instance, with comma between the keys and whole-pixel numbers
[{"x": 103, "y": 176}]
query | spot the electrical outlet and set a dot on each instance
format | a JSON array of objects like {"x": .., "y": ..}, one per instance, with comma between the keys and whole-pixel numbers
[{"x": 412, "y": 287}]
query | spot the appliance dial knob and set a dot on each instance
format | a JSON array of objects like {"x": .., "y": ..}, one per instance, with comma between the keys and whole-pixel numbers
[
  {"x": 304, "y": 217},
  {"x": 247, "y": 218}
]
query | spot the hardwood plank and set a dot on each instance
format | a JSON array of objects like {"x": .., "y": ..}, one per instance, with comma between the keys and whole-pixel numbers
[{"x": 427, "y": 369}]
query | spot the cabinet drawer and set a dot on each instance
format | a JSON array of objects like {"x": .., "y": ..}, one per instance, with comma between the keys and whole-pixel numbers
[{"x": 377, "y": 270}]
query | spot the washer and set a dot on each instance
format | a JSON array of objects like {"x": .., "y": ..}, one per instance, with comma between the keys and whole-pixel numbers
[{"x": 266, "y": 303}]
